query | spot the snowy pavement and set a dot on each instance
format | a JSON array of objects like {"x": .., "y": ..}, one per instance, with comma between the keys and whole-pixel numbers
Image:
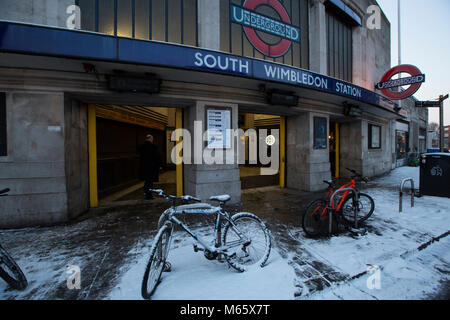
[{"x": 400, "y": 256}]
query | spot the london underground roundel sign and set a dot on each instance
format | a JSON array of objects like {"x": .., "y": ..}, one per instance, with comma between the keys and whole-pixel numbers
[
  {"x": 414, "y": 81},
  {"x": 253, "y": 21}
]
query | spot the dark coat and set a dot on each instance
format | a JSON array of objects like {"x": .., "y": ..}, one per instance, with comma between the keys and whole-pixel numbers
[{"x": 150, "y": 161}]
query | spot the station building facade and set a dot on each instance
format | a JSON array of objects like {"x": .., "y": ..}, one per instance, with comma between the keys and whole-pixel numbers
[{"x": 82, "y": 83}]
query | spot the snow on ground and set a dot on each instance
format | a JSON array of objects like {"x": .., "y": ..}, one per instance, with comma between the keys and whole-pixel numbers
[
  {"x": 45, "y": 269},
  {"x": 416, "y": 277},
  {"x": 390, "y": 243},
  {"x": 193, "y": 277},
  {"x": 390, "y": 240},
  {"x": 395, "y": 177}
]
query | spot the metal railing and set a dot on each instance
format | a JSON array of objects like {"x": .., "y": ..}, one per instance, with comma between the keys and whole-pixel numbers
[
  {"x": 355, "y": 208},
  {"x": 400, "y": 196}
]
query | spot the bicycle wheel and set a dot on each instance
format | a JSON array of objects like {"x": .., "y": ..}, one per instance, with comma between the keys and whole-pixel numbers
[
  {"x": 315, "y": 217},
  {"x": 155, "y": 265},
  {"x": 365, "y": 208},
  {"x": 10, "y": 271},
  {"x": 256, "y": 250}
]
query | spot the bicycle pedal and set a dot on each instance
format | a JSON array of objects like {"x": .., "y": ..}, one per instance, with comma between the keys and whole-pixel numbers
[
  {"x": 358, "y": 231},
  {"x": 232, "y": 255},
  {"x": 197, "y": 249},
  {"x": 167, "y": 267}
]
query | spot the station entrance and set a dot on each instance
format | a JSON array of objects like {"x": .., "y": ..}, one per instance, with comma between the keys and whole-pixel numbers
[
  {"x": 250, "y": 172},
  {"x": 117, "y": 131},
  {"x": 115, "y": 135}
]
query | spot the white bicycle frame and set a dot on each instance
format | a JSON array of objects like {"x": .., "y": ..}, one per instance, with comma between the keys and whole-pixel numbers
[{"x": 204, "y": 208}]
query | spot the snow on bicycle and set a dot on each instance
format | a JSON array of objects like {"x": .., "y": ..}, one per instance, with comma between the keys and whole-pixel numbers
[{"x": 243, "y": 241}]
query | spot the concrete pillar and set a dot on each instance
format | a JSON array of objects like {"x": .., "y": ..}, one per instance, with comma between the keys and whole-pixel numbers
[
  {"x": 204, "y": 180},
  {"x": 318, "y": 32},
  {"x": 209, "y": 24},
  {"x": 34, "y": 168},
  {"x": 306, "y": 166}
]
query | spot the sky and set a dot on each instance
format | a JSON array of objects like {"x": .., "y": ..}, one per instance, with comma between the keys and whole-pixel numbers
[{"x": 425, "y": 43}]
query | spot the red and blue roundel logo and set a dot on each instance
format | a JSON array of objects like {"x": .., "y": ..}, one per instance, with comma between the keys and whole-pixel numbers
[
  {"x": 414, "y": 81},
  {"x": 253, "y": 21}
]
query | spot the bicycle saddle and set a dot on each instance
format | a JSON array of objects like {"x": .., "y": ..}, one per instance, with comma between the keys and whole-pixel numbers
[
  {"x": 221, "y": 198},
  {"x": 330, "y": 182}
]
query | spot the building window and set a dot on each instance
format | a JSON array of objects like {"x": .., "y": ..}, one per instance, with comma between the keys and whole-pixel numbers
[
  {"x": 320, "y": 133},
  {"x": 3, "y": 145},
  {"x": 339, "y": 47},
  {"x": 401, "y": 146},
  {"x": 374, "y": 137},
  {"x": 164, "y": 20}
]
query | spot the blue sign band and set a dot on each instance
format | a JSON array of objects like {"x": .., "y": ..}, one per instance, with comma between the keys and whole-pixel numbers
[{"x": 31, "y": 39}]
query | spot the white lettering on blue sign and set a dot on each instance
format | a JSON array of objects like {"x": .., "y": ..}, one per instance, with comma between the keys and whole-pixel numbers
[
  {"x": 348, "y": 90},
  {"x": 224, "y": 63},
  {"x": 295, "y": 76}
]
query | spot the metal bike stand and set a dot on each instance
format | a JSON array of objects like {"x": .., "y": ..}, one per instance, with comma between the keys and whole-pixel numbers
[
  {"x": 355, "y": 195},
  {"x": 400, "y": 196}
]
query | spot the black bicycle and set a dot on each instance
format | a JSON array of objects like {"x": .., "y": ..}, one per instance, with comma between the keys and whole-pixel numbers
[{"x": 9, "y": 270}]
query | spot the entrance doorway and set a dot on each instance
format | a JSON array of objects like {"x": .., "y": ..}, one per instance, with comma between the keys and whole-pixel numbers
[
  {"x": 334, "y": 147},
  {"x": 115, "y": 135},
  {"x": 250, "y": 172}
]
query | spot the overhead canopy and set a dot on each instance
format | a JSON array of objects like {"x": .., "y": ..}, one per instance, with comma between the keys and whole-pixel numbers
[{"x": 60, "y": 42}]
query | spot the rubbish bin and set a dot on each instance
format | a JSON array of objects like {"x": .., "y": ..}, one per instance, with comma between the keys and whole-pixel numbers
[{"x": 435, "y": 174}]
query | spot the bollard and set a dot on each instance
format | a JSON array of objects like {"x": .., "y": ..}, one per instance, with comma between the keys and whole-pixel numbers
[{"x": 400, "y": 196}]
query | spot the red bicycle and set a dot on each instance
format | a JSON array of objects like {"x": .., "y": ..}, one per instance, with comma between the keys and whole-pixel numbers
[{"x": 316, "y": 214}]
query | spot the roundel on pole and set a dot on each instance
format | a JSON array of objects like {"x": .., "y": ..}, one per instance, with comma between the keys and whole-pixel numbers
[{"x": 414, "y": 81}]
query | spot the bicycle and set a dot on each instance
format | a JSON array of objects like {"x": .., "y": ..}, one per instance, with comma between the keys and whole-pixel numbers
[
  {"x": 245, "y": 240},
  {"x": 316, "y": 213},
  {"x": 9, "y": 270}
]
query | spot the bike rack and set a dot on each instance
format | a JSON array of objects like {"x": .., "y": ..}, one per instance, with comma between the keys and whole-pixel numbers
[
  {"x": 400, "y": 196},
  {"x": 355, "y": 194}
]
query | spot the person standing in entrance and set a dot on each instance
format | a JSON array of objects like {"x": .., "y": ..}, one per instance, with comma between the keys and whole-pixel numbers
[{"x": 150, "y": 163}]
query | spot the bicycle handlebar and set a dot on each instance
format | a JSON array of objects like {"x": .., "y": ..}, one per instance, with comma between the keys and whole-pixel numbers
[
  {"x": 161, "y": 193},
  {"x": 358, "y": 175}
]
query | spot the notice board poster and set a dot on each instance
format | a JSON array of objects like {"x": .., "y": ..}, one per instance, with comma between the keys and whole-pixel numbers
[
  {"x": 320, "y": 133},
  {"x": 218, "y": 121}
]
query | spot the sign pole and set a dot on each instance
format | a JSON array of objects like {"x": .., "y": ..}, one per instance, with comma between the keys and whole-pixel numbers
[
  {"x": 399, "y": 47},
  {"x": 441, "y": 121}
]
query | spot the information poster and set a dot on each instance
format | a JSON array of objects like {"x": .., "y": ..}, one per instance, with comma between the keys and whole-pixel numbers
[
  {"x": 320, "y": 133},
  {"x": 375, "y": 134},
  {"x": 218, "y": 121}
]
